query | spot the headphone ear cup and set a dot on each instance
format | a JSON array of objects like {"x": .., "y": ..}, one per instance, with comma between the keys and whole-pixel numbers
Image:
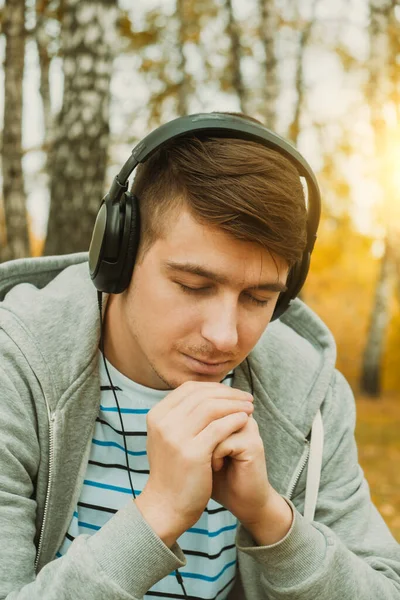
[
  {"x": 96, "y": 244},
  {"x": 295, "y": 281},
  {"x": 105, "y": 246},
  {"x": 132, "y": 239}
]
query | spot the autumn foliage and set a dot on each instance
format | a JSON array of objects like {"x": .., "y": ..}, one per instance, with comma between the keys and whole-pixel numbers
[
  {"x": 377, "y": 434},
  {"x": 340, "y": 288}
]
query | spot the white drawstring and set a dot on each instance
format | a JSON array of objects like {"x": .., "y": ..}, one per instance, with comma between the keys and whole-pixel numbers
[{"x": 314, "y": 467}]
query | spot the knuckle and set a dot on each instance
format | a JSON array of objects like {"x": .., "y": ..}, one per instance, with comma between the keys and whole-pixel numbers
[
  {"x": 212, "y": 409},
  {"x": 154, "y": 425},
  {"x": 189, "y": 384},
  {"x": 170, "y": 439},
  {"x": 217, "y": 426},
  {"x": 172, "y": 445},
  {"x": 188, "y": 387},
  {"x": 187, "y": 457},
  {"x": 149, "y": 418}
]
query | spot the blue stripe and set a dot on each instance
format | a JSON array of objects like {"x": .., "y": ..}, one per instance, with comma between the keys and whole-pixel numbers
[
  {"x": 115, "y": 488},
  {"x": 204, "y": 577},
  {"x": 191, "y": 530},
  {"x": 212, "y": 533},
  {"x": 115, "y": 445},
  {"x": 128, "y": 411},
  {"x": 58, "y": 555},
  {"x": 88, "y": 525}
]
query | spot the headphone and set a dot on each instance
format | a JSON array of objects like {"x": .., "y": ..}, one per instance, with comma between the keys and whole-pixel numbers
[{"x": 116, "y": 233}]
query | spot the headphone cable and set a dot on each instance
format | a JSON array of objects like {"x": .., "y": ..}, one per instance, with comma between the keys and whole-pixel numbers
[
  {"x": 100, "y": 302},
  {"x": 99, "y": 297}
]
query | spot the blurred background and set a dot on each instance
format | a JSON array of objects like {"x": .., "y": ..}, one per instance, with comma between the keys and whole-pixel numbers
[{"x": 82, "y": 81}]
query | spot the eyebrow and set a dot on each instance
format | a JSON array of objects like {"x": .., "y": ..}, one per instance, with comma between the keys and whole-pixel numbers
[{"x": 193, "y": 269}]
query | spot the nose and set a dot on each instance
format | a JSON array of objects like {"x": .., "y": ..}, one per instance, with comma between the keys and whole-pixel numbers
[{"x": 220, "y": 326}]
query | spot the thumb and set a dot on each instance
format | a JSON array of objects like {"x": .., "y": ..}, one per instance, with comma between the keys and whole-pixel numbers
[
  {"x": 217, "y": 463},
  {"x": 219, "y": 430},
  {"x": 224, "y": 449}
]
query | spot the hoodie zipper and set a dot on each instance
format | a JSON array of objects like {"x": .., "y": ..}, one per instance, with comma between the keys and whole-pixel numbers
[
  {"x": 49, "y": 482},
  {"x": 301, "y": 467}
]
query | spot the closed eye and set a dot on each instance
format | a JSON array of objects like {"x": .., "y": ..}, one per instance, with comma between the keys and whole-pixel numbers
[{"x": 206, "y": 289}]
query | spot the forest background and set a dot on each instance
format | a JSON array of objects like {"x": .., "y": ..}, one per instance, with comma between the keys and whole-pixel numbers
[{"x": 83, "y": 81}]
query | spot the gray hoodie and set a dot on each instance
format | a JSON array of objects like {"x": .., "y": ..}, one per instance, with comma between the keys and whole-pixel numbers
[{"x": 49, "y": 399}]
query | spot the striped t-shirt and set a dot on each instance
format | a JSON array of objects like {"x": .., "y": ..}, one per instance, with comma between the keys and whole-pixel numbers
[{"x": 209, "y": 546}]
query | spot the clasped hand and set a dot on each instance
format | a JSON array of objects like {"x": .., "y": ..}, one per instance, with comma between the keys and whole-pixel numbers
[{"x": 202, "y": 442}]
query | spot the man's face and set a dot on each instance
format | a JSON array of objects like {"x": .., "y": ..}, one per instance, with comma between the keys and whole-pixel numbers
[{"x": 198, "y": 297}]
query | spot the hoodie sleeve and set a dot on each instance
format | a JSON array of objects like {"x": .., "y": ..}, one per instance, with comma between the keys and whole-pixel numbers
[
  {"x": 347, "y": 552},
  {"x": 121, "y": 561}
]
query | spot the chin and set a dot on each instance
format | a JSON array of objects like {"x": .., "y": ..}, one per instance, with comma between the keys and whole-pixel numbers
[
  {"x": 184, "y": 377},
  {"x": 174, "y": 380},
  {"x": 172, "y": 375}
]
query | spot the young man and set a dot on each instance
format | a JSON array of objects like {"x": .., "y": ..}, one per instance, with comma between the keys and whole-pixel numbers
[{"x": 196, "y": 404}]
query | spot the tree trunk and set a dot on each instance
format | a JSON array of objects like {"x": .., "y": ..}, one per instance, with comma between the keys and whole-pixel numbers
[
  {"x": 372, "y": 359},
  {"x": 237, "y": 79},
  {"x": 78, "y": 158},
  {"x": 295, "y": 126},
  {"x": 14, "y": 198},
  {"x": 42, "y": 43},
  {"x": 183, "y": 92},
  {"x": 268, "y": 30},
  {"x": 370, "y": 382}
]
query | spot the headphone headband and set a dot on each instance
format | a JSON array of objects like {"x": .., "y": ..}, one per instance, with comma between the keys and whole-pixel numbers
[{"x": 111, "y": 269}]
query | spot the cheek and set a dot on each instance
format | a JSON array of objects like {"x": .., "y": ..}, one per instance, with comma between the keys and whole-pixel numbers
[
  {"x": 252, "y": 328},
  {"x": 163, "y": 307},
  {"x": 181, "y": 317}
]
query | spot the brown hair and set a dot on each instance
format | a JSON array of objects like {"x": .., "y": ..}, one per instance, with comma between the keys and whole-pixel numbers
[{"x": 247, "y": 190}]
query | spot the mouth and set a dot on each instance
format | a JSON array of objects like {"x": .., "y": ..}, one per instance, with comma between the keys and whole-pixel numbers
[
  {"x": 207, "y": 362},
  {"x": 204, "y": 367}
]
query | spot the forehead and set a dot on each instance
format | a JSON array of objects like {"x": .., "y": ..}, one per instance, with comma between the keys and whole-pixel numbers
[{"x": 192, "y": 244}]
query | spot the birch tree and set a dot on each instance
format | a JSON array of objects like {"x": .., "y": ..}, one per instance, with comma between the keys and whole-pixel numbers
[
  {"x": 267, "y": 33},
  {"x": 381, "y": 14},
  {"x": 235, "y": 56},
  {"x": 43, "y": 42},
  {"x": 78, "y": 157},
  {"x": 301, "y": 91},
  {"x": 14, "y": 198},
  {"x": 183, "y": 91}
]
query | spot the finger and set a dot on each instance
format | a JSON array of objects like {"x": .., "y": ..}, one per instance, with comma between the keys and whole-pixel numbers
[
  {"x": 192, "y": 393},
  {"x": 190, "y": 425},
  {"x": 242, "y": 442},
  {"x": 213, "y": 410},
  {"x": 175, "y": 397},
  {"x": 229, "y": 447},
  {"x": 217, "y": 463},
  {"x": 199, "y": 398},
  {"x": 217, "y": 431}
]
